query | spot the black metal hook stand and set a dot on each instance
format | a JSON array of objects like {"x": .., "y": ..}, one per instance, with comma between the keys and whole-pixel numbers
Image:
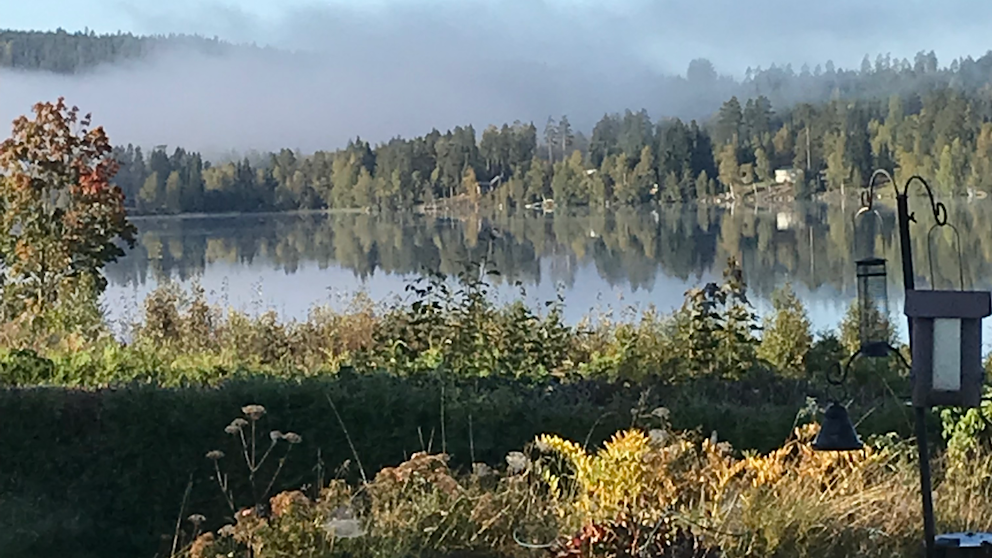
[
  {"x": 905, "y": 218},
  {"x": 842, "y": 378}
]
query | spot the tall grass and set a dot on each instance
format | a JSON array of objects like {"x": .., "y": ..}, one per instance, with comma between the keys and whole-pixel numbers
[{"x": 660, "y": 491}]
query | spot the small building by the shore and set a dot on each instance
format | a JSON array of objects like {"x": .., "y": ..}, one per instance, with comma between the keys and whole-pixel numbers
[{"x": 788, "y": 176}]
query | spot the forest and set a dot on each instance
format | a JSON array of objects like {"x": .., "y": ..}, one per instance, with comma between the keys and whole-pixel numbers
[
  {"x": 832, "y": 126},
  {"x": 944, "y": 134}
]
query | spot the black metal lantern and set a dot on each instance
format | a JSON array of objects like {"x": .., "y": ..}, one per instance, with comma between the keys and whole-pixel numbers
[
  {"x": 873, "y": 307},
  {"x": 837, "y": 433}
]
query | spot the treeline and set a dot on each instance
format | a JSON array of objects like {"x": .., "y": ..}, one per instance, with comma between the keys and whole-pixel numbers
[
  {"x": 510, "y": 163},
  {"x": 69, "y": 53},
  {"x": 945, "y": 135}
]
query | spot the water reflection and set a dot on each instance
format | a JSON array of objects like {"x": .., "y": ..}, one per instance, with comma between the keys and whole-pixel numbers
[{"x": 598, "y": 258}]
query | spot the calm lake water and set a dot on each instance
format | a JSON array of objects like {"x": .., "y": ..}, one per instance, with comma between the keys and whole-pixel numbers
[{"x": 618, "y": 261}]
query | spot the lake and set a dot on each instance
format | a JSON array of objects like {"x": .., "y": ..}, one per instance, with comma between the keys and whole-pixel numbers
[{"x": 620, "y": 261}]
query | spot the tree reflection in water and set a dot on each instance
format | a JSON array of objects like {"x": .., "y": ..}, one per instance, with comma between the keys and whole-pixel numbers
[{"x": 650, "y": 254}]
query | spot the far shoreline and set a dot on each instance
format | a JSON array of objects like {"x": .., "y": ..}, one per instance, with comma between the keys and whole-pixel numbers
[{"x": 719, "y": 201}]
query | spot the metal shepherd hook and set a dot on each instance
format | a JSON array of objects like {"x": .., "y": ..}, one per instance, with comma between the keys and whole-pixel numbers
[{"x": 909, "y": 284}]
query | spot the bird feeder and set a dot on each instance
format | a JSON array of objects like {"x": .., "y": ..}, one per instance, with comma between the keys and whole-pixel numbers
[
  {"x": 946, "y": 340},
  {"x": 873, "y": 307}
]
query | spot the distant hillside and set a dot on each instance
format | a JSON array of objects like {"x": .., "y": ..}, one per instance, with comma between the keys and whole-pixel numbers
[{"x": 68, "y": 53}]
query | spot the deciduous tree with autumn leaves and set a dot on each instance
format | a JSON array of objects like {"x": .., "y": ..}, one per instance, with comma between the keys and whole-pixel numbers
[{"x": 61, "y": 219}]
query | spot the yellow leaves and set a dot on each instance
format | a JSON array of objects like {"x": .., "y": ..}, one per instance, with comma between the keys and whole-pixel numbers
[
  {"x": 631, "y": 474},
  {"x": 606, "y": 481},
  {"x": 23, "y": 250}
]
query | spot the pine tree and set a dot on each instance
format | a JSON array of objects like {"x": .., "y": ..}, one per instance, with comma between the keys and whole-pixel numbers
[
  {"x": 645, "y": 178},
  {"x": 762, "y": 166},
  {"x": 551, "y": 137},
  {"x": 537, "y": 182},
  {"x": 702, "y": 186},
  {"x": 192, "y": 194},
  {"x": 364, "y": 189},
  {"x": 470, "y": 185},
  {"x": 565, "y": 136},
  {"x": 838, "y": 170},
  {"x": 729, "y": 122},
  {"x": 605, "y": 136}
]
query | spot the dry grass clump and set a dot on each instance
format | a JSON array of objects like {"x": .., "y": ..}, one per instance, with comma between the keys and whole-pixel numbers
[{"x": 654, "y": 493}]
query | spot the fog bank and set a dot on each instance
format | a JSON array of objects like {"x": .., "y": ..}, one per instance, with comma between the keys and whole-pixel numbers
[{"x": 404, "y": 67}]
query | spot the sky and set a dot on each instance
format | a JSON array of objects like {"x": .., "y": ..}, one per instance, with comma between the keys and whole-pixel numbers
[{"x": 379, "y": 68}]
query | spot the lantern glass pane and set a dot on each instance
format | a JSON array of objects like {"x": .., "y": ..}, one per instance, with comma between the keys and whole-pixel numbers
[
  {"x": 946, "y": 354},
  {"x": 873, "y": 307}
]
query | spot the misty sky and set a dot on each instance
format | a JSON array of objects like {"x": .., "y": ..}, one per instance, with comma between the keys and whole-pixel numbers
[{"x": 378, "y": 68}]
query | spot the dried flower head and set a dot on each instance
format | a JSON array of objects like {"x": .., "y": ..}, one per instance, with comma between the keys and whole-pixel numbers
[
  {"x": 517, "y": 461},
  {"x": 202, "y": 546},
  {"x": 661, "y": 413},
  {"x": 226, "y": 531},
  {"x": 275, "y": 436},
  {"x": 344, "y": 528},
  {"x": 236, "y": 426},
  {"x": 284, "y": 502},
  {"x": 481, "y": 470},
  {"x": 342, "y": 512},
  {"x": 254, "y": 412},
  {"x": 658, "y": 436},
  {"x": 214, "y": 455},
  {"x": 292, "y": 437},
  {"x": 196, "y": 519}
]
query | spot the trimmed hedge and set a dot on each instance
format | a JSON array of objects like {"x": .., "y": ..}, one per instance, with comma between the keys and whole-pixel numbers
[{"x": 102, "y": 473}]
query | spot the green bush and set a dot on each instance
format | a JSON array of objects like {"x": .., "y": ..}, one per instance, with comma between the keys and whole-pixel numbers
[
  {"x": 786, "y": 339},
  {"x": 714, "y": 334}
]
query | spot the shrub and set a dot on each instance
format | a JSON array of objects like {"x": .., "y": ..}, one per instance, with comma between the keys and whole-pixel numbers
[
  {"x": 786, "y": 339},
  {"x": 715, "y": 331}
]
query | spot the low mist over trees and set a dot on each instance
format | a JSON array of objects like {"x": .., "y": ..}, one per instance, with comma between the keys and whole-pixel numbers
[
  {"x": 832, "y": 126},
  {"x": 879, "y": 76}
]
